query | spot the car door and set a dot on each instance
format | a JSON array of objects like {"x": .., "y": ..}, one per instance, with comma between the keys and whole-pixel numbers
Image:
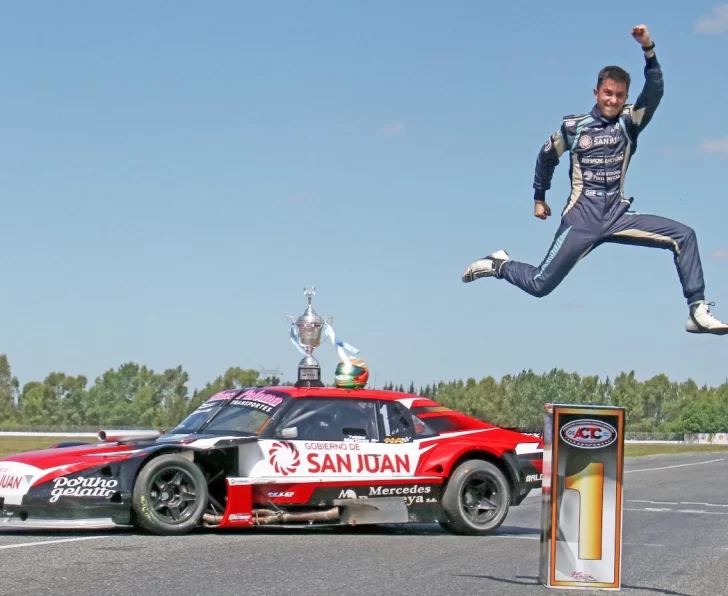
[
  {"x": 401, "y": 435},
  {"x": 328, "y": 438}
]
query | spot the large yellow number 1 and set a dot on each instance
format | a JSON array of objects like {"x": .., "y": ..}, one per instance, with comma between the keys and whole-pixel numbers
[{"x": 589, "y": 483}]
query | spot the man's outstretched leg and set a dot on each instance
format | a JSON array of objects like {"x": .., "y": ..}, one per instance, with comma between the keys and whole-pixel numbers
[
  {"x": 568, "y": 247},
  {"x": 660, "y": 232}
]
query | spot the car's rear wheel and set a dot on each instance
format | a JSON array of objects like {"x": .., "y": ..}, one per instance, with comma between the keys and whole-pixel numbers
[
  {"x": 170, "y": 496},
  {"x": 476, "y": 499}
]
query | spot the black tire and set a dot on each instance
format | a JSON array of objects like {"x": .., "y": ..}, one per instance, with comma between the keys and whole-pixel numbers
[
  {"x": 169, "y": 487},
  {"x": 474, "y": 485}
]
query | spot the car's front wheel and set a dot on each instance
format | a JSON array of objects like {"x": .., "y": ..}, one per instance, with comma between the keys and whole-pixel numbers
[
  {"x": 476, "y": 499},
  {"x": 170, "y": 495}
]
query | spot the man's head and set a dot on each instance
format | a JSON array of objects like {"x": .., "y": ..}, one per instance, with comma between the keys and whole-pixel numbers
[{"x": 612, "y": 90}]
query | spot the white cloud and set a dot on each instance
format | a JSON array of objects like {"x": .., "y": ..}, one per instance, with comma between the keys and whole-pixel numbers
[
  {"x": 717, "y": 22},
  {"x": 721, "y": 254},
  {"x": 718, "y": 146}
]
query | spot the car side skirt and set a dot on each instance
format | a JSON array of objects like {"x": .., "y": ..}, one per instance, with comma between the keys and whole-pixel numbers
[{"x": 341, "y": 501}]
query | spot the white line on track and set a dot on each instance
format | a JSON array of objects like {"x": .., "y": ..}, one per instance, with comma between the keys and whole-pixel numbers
[
  {"x": 44, "y": 542},
  {"x": 539, "y": 538},
  {"x": 537, "y": 492},
  {"x": 700, "y": 463},
  {"x": 668, "y": 510},
  {"x": 703, "y": 504},
  {"x": 653, "y": 502},
  {"x": 676, "y": 503},
  {"x": 630, "y": 544}
]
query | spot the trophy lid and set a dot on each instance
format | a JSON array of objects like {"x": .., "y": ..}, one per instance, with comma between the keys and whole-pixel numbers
[{"x": 309, "y": 318}]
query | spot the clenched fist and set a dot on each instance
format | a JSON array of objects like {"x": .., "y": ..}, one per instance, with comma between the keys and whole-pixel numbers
[
  {"x": 642, "y": 35},
  {"x": 541, "y": 210}
]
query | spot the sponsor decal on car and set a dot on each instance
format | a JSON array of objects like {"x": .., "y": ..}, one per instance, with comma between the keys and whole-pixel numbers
[
  {"x": 349, "y": 493},
  {"x": 226, "y": 394},
  {"x": 333, "y": 458},
  {"x": 10, "y": 482},
  {"x": 333, "y": 446},
  {"x": 277, "y": 495},
  {"x": 369, "y": 463},
  {"x": 285, "y": 459},
  {"x": 260, "y": 400},
  {"x": 83, "y": 487},
  {"x": 15, "y": 481},
  {"x": 410, "y": 494},
  {"x": 376, "y": 491}
]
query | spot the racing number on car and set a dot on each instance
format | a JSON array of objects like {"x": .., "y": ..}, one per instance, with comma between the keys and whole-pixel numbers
[{"x": 589, "y": 484}]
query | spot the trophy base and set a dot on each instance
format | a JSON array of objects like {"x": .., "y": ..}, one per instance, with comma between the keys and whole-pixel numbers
[
  {"x": 309, "y": 373},
  {"x": 309, "y": 376}
]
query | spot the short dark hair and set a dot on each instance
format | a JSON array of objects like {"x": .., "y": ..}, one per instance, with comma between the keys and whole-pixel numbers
[{"x": 616, "y": 73}]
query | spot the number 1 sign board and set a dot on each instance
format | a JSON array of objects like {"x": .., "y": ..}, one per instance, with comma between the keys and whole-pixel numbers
[{"x": 581, "y": 508}]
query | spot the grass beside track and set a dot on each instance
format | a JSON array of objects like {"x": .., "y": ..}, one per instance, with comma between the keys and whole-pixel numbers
[
  {"x": 10, "y": 445},
  {"x": 637, "y": 449}
]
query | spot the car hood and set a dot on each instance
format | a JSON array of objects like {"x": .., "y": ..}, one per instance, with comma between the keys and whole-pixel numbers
[
  {"x": 114, "y": 450},
  {"x": 22, "y": 471}
]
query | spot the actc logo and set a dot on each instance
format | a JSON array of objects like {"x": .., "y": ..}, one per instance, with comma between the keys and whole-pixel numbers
[{"x": 588, "y": 434}]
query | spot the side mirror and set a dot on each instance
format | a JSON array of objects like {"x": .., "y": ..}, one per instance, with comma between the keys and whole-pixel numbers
[{"x": 289, "y": 433}]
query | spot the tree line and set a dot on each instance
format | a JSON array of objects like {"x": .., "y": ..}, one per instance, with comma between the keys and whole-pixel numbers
[{"x": 135, "y": 396}]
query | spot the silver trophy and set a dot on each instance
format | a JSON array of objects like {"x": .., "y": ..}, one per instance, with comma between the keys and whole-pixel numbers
[{"x": 307, "y": 334}]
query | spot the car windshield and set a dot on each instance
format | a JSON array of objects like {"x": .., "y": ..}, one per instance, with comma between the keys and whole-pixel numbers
[{"x": 233, "y": 411}]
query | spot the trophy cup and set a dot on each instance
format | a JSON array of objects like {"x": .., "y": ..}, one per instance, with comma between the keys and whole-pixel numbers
[{"x": 307, "y": 334}]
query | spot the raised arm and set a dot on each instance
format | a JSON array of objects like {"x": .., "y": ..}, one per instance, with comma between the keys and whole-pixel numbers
[{"x": 649, "y": 98}]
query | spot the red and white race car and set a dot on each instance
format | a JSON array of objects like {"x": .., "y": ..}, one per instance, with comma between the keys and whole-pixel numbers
[{"x": 282, "y": 456}]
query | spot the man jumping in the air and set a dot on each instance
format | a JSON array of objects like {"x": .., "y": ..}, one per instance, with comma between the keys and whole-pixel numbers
[{"x": 601, "y": 144}]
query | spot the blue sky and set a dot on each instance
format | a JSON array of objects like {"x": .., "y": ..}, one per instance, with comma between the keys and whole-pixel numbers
[{"x": 173, "y": 174}]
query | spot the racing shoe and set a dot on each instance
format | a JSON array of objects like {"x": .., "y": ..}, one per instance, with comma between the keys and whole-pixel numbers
[
  {"x": 489, "y": 266},
  {"x": 701, "y": 320}
]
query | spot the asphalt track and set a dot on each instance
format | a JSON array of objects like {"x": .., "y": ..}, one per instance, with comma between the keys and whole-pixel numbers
[{"x": 675, "y": 543}]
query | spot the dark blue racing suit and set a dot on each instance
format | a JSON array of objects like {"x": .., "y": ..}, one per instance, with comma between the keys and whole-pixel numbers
[{"x": 597, "y": 210}]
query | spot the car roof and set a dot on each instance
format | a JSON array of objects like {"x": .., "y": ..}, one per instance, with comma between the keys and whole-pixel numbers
[
  {"x": 335, "y": 392},
  {"x": 424, "y": 407}
]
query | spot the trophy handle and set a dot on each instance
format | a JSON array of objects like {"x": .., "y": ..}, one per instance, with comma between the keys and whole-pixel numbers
[
  {"x": 328, "y": 329},
  {"x": 293, "y": 334}
]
